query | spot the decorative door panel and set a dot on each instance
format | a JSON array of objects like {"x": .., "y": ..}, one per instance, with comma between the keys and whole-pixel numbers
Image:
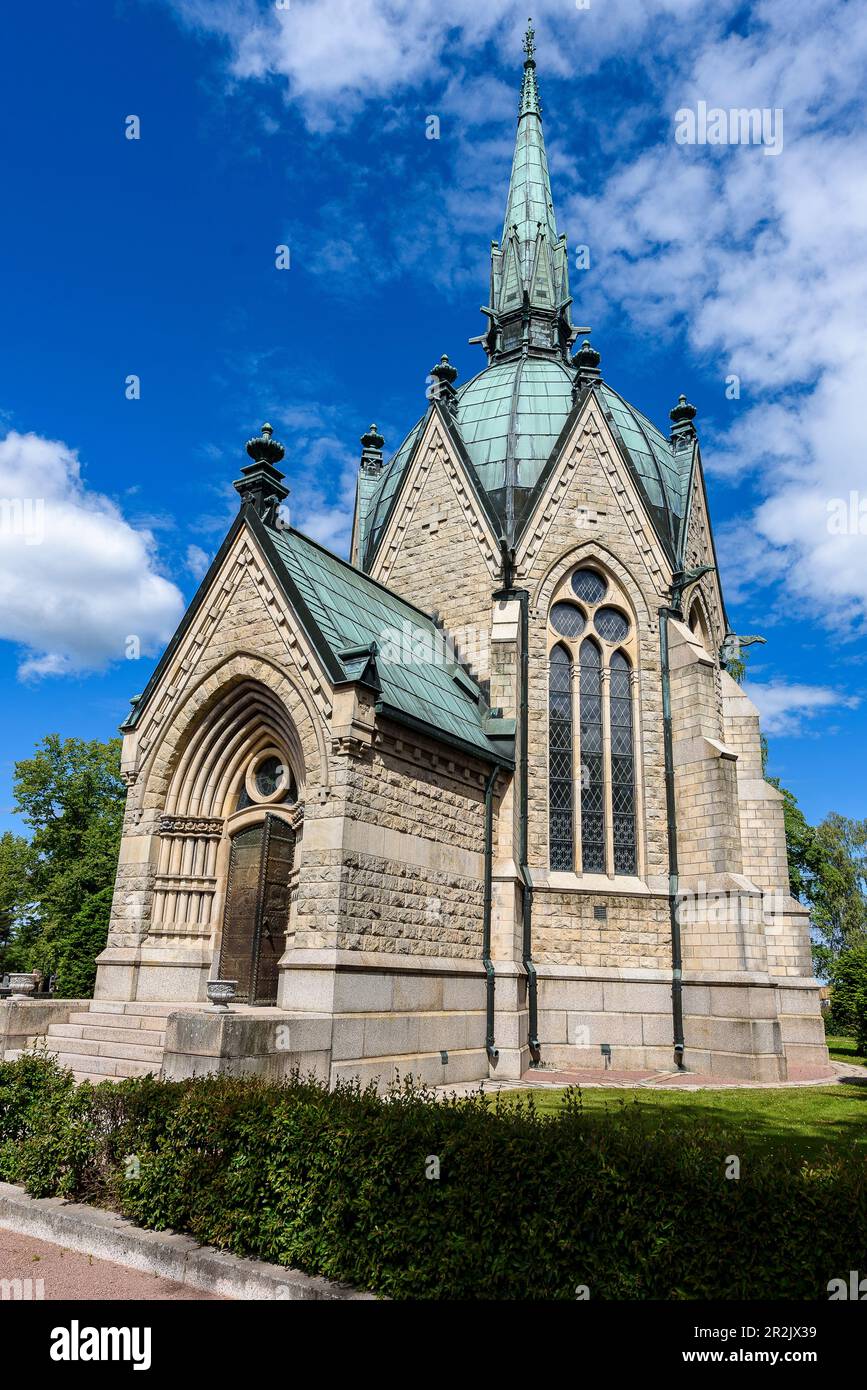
[
  {"x": 278, "y": 853},
  {"x": 257, "y": 908}
]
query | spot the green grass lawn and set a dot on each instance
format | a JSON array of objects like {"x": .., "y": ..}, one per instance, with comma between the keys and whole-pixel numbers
[
  {"x": 843, "y": 1050},
  {"x": 803, "y": 1121}
]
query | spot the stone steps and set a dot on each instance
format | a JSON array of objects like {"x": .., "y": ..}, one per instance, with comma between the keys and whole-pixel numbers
[{"x": 111, "y": 1040}]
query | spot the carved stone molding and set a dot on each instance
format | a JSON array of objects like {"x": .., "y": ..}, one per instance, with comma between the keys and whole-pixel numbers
[{"x": 210, "y": 827}]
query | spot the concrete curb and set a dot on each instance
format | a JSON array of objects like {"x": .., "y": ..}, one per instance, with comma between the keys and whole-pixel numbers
[{"x": 107, "y": 1236}]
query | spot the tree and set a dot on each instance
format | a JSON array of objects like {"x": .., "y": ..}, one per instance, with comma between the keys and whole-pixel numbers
[
  {"x": 838, "y": 893},
  {"x": 15, "y": 896},
  {"x": 71, "y": 796},
  {"x": 849, "y": 994},
  {"x": 827, "y": 872}
]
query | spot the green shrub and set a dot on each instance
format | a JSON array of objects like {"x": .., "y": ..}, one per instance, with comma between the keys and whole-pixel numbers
[
  {"x": 849, "y": 995},
  {"x": 525, "y": 1205}
]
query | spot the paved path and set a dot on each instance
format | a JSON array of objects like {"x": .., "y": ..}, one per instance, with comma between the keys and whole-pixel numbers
[
  {"x": 590, "y": 1078},
  {"x": 68, "y": 1274}
]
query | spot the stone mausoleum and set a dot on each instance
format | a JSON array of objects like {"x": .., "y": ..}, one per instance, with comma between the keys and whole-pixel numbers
[{"x": 486, "y": 797}]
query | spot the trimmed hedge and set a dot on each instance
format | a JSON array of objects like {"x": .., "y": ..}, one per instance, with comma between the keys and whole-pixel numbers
[{"x": 526, "y": 1206}]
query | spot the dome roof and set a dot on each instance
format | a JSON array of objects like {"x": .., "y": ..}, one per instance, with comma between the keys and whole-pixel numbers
[{"x": 509, "y": 419}]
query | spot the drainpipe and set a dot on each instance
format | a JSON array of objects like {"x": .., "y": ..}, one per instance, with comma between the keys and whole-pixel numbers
[
  {"x": 491, "y": 1050},
  {"x": 523, "y": 867},
  {"x": 671, "y": 817},
  {"x": 523, "y": 804}
]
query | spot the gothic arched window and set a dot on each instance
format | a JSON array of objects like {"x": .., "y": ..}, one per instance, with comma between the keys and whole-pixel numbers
[
  {"x": 592, "y": 760},
  {"x": 591, "y": 728},
  {"x": 560, "y": 775},
  {"x": 622, "y": 765}
]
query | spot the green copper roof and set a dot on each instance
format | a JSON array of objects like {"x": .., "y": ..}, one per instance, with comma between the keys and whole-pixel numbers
[
  {"x": 343, "y": 612},
  {"x": 658, "y": 471},
  {"x": 509, "y": 417},
  {"x": 529, "y": 303},
  {"x": 349, "y": 610}
]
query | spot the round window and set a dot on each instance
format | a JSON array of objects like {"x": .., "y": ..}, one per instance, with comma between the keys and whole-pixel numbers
[
  {"x": 589, "y": 585},
  {"x": 567, "y": 619},
  {"x": 269, "y": 777},
  {"x": 612, "y": 625}
]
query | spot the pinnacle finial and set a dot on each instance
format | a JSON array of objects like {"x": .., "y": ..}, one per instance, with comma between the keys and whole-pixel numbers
[
  {"x": 261, "y": 485},
  {"x": 371, "y": 452},
  {"x": 683, "y": 430},
  {"x": 265, "y": 449},
  {"x": 530, "y": 42},
  {"x": 372, "y": 439}
]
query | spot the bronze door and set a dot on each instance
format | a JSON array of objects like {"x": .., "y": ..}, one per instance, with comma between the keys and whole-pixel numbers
[
  {"x": 278, "y": 852},
  {"x": 257, "y": 909}
]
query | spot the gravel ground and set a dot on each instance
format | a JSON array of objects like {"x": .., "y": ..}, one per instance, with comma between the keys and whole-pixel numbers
[{"x": 69, "y": 1274}]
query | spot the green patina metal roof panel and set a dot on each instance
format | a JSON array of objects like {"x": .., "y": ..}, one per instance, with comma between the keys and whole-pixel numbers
[
  {"x": 351, "y": 610},
  {"x": 510, "y": 417}
]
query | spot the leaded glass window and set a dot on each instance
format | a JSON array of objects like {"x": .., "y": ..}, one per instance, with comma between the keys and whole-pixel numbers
[
  {"x": 567, "y": 620},
  {"x": 612, "y": 625},
  {"x": 589, "y": 585},
  {"x": 593, "y": 826},
  {"x": 622, "y": 766},
  {"x": 560, "y": 775},
  {"x": 592, "y": 760}
]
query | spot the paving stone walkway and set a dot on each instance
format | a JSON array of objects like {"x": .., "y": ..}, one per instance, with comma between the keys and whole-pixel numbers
[{"x": 546, "y": 1078}]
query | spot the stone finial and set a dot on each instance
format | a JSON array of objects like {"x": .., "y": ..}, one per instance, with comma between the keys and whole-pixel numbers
[
  {"x": 683, "y": 430},
  {"x": 371, "y": 451},
  {"x": 261, "y": 484},
  {"x": 264, "y": 448},
  {"x": 586, "y": 363},
  {"x": 442, "y": 387}
]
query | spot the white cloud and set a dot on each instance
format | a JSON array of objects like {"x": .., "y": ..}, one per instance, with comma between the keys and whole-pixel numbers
[
  {"x": 197, "y": 561},
  {"x": 77, "y": 581},
  {"x": 786, "y": 709}
]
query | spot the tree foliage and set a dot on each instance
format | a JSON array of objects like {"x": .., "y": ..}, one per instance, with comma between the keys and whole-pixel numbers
[
  {"x": 55, "y": 888},
  {"x": 827, "y": 872}
]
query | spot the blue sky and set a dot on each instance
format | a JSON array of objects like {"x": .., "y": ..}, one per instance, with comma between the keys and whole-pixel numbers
[{"x": 304, "y": 124}]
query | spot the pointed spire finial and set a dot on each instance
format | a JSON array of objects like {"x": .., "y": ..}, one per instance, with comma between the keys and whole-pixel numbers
[{"x": 530, "y": 42}]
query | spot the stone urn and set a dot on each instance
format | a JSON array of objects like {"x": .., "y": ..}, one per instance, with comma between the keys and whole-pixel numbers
[
  {"x": 22, "y": 985},
  {"x": 221, "y": 993}
]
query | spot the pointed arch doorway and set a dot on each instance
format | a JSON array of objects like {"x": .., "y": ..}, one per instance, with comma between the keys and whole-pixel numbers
[{"x": 256, "y": 913}]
